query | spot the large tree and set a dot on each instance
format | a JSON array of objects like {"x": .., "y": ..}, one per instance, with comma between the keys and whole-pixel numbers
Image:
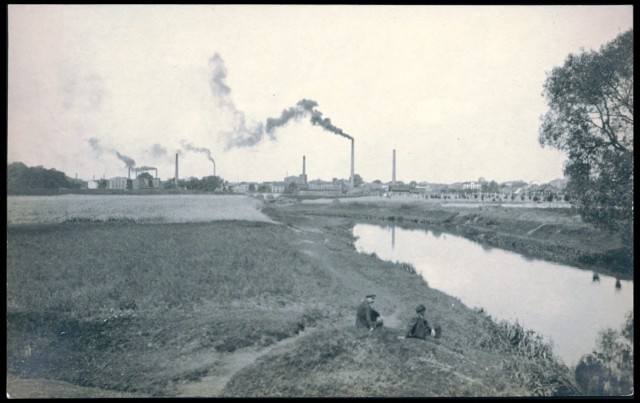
[{"x": 590, "y": 117}]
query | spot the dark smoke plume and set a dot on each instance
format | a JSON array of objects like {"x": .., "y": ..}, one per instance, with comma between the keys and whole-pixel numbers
[
  {"x": 144, "y": 168},
  {"x": 243, "y": 136},
  {"x": 304, "y": 108},
  {"x": 95, "y": 144},
  {"x": 127, "y": 160},
  {"x": 191, "y": 147}
]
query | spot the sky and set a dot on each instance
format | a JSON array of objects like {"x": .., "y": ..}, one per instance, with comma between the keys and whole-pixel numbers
[{"x": 455, "y": 90}]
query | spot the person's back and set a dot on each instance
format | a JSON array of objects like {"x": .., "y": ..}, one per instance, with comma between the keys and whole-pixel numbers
[{"x": 419, "y": 327}]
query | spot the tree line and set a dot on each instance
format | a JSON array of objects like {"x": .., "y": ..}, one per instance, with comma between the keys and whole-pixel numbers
[{"x": 22, "y": 179}]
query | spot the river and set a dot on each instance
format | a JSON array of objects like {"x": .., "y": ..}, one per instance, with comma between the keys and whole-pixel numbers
[{"x": 566, "y": 305}]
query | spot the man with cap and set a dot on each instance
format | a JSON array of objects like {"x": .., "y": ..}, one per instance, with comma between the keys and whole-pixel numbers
[
  {"x": 366, "y": 316},
  {"x": 419, "y": 327}
]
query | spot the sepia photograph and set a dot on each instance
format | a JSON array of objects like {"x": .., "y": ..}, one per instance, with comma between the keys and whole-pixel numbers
[{"x": 319, "y": 201}]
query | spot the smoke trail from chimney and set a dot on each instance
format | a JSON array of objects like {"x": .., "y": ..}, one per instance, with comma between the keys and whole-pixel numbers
[
  {"x": 190, "y": 147},
  {"x": 144, "y": 169},
  {"x": 95, "y": 145},
  {"x": 242, "y": 135},
  {"x": 127, "y": 160}
]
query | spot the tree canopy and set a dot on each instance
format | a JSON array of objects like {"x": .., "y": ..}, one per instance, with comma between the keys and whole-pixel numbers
[
  {"x": 21, "y": 179},
  {"x": 590, "y": 117},
  {"x": 207, "y": 183}
]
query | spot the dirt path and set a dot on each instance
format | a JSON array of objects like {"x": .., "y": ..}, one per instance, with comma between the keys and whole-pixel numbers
[{"x": 228, "y": 365}]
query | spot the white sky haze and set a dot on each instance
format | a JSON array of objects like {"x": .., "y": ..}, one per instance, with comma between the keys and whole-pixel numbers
[{"x": 456, "y": 90}]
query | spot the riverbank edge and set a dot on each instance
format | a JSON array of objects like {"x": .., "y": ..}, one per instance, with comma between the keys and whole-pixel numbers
[{"x": 564, "y": 246}]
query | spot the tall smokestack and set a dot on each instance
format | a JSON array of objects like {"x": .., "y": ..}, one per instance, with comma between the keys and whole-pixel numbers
[
  {"x": 393, "y": 172},
  {"x": 156, "y": 173},
  {"x": 304, "y": 165},
  {"x": 129, "y": 174},
  {"x": 352, "y": 156},
  {"x": 176, "y": 178}
]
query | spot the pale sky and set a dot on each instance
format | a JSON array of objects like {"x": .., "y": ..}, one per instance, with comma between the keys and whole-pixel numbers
[{"x": 455, "y": 90}]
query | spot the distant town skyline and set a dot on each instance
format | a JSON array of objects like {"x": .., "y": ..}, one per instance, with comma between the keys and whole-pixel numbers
[{"x": 455, "y": 90}]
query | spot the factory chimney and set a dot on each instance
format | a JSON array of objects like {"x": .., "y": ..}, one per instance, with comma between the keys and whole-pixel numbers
[
  {"x": 352, "y": 155},
  {"x": 129, "y": 174},
  {"x": 393, "y": 172},
  {"x": 176, "y": 178},
  {"x": 304, "y": 169},
  {"x": 156, "y": 173}
]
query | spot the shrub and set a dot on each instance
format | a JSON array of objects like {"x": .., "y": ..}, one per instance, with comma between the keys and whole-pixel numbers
[{"x": 609, "y": 370}]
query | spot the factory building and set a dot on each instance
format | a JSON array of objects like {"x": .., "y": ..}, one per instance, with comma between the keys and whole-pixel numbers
[
  {"x": 299, "y": 180},
  {"x": 145, "y": 183},
  {"x": 119, "y": 182},
  {"x": 278, "y": 187},
  {"x": 92, "y": 184}
]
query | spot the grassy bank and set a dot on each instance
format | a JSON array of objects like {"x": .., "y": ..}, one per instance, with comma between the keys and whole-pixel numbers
[{"x": 145, "y": 308}]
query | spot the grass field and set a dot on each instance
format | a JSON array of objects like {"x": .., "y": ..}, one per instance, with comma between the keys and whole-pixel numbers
[
  {"x": 147, "y": 309},
  {"x": 134, "y": 208}
]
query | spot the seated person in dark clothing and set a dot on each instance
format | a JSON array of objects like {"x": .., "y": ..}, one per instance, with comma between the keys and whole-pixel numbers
[
  {"x": 419, "y": 327},
  {"x": 366, "y": 316}
]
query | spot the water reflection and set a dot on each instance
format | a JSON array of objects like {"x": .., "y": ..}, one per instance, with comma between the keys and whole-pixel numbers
[{"x": 558, "y": 302}]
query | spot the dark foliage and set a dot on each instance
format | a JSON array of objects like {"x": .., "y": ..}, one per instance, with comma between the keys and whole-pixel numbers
[{"x": 23, "y": 179}]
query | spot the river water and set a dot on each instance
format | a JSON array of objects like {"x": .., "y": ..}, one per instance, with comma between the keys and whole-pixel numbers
[{"x": 566, "y": 305}]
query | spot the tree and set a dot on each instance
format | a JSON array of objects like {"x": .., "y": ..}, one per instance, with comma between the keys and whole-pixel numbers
[
  {"x": 291, "y": 188},
  {"x": 357, "y": 180},
  {"x": 608, "y": 370},
  {"x": 145, "y": 175},
  {"x": 590, "y": 116}
]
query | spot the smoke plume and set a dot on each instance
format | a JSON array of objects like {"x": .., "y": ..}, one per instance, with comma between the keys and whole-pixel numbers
[
  {"x": 304, "y": 108},
  {"x": 242, "y": 135},
  {"x": 158, "y": 151},
  {"x": 144, "y": 168},
  {"x": 127, "y": 160},
  {"x": 190, "y": 147},
  {"x": 95, "y": 145}
]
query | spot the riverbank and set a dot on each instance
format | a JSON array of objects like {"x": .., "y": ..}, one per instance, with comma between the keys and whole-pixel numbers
[
  {"x": 553, "y": 234},
  {"x": 187, "y": 309}
]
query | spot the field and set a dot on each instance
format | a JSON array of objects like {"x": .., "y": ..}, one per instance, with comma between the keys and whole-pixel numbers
[
  {"x": 138, "y": 301},
  {"x": 139, "y": 209}
]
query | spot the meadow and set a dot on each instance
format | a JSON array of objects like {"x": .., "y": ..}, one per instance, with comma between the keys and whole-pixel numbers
[
  {"x": 147, "y": 308},
  {"x": 134, "y": 208}
]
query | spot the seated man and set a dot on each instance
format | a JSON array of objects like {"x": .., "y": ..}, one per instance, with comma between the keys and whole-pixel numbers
[{"x": 366, "y": 316}]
